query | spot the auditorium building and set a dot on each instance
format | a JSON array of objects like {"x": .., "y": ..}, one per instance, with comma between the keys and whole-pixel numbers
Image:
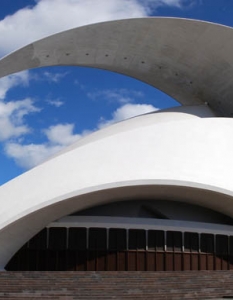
[{"x": 152, "y": 193}]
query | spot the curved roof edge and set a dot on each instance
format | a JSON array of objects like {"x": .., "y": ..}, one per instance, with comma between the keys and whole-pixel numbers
[{"x": 18, "y": 232}]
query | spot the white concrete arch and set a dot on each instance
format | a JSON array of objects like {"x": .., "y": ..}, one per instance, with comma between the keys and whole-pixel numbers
[
  {"x": 172, "y": 155},
  {"x": 187, "y": 59},
  {"x": 14, "y": 235}
]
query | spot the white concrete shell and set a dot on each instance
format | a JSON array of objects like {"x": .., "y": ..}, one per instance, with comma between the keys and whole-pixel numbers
[
  {"x": 183, "y": 154},
  {"x": 171, "y": 155}
]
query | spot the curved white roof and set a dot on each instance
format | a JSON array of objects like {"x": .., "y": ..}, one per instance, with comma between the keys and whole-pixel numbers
[
  {"x": 187, "y": 59},
  {"x": 171, "y": 155}
]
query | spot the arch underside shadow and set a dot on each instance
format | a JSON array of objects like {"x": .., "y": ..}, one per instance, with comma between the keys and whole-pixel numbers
[
  {"x": 42, "y": 217},
  {"x": 187, "y": 59}
]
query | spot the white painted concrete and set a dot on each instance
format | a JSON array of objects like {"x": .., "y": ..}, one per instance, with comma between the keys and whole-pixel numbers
[
  {"x": 140, "y": 223},
  {"x": 167, "y": 155}
]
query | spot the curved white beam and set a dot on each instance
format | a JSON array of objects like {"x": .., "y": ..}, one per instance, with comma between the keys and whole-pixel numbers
[{"x": 189, "y": 60}]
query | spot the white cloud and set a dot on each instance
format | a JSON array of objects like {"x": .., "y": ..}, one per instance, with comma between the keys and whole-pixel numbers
[
  {"x": 54, "y": 77},
  {"x": 12, "y": 118},
  {"x": 62, "y": 134},
  {"x": 177, "y": 3},
  {"x": 11, "y": 81},
  {"x": 12, "y": 113},
  {"x": 153, "y": 4},
  {"x": 127, "y": 111},
  {"x": 121, "y": 96},
  {"x": 51, "y": 16},
  {"x": 28, "y": 156},
  {"x": 55, "y": 102}
]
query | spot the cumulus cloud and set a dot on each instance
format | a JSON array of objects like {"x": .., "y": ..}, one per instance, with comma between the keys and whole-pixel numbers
[
  {"x": 28, "y": 156},
  {"x": 12, "y": 118},
  {"x": 11, "y": 81},
  {"x": 12, "y": 113},
  {"x": 50, "y": 16},
  {"x": 62, "y": 135},
  {"x": 127, "y": 111}
]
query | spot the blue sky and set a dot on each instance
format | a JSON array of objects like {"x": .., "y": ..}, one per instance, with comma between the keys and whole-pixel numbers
[{"x": 44, "y": 110}]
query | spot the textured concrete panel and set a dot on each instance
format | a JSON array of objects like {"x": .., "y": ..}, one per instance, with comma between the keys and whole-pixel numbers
[{"x": 189, "y": 60}]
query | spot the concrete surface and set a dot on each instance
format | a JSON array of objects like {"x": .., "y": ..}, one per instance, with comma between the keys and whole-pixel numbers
[{"x": 187, "y": 59}]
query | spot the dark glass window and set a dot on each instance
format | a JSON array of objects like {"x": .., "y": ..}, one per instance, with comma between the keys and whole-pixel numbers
[
  {"x": 77, "y": 238},
  {"x": 191, "y": 242},
  {"x": 174, "y": 241},
  {"x": 156, "y": 240},
  {"x": 221, "y": 244},
  {"x": 57, "y": 238},
  {"x": 207, "y": 243},
  {"x": 137, "y": 239},
  {"x": 231, "y": 245},
  {"x": 97, "y": 238},
  {"x": 117, "y": 239}
]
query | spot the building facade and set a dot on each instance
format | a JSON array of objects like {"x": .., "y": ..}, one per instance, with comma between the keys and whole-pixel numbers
[{"x": 150, "y": 193}]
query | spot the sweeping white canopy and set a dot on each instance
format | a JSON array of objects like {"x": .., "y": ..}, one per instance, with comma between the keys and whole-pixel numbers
[{"x": 190, "y": 60}]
